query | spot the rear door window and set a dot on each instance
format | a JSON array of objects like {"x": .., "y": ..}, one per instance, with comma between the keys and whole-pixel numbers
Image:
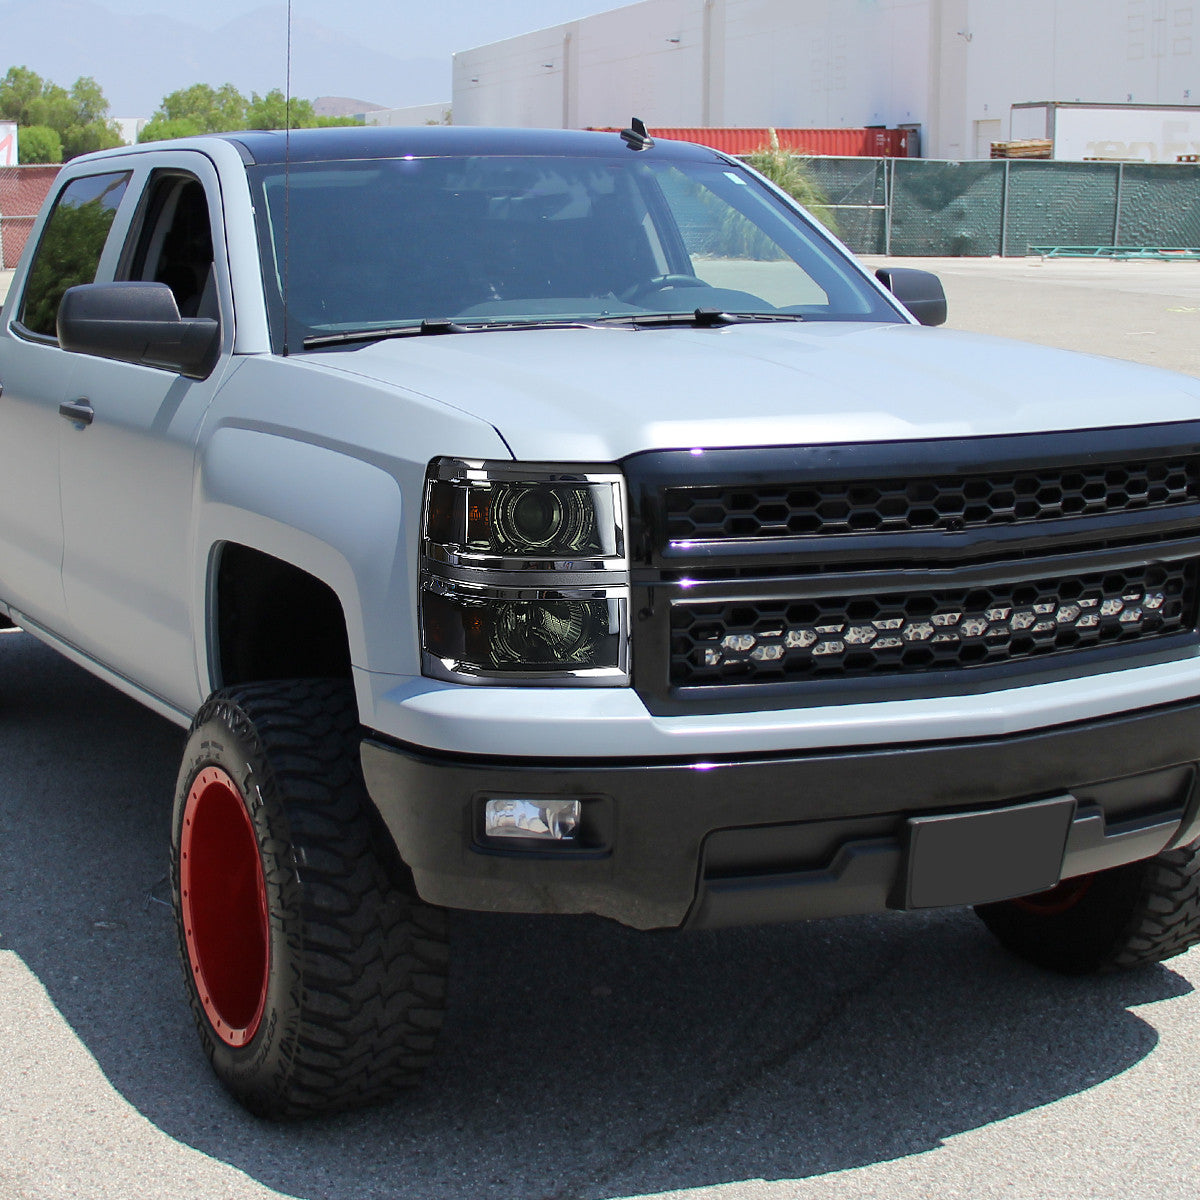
[{"x": 70, "y": 247}]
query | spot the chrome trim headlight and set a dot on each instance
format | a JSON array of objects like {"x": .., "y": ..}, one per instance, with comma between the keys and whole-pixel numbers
[{"x": 524, "y": 574}]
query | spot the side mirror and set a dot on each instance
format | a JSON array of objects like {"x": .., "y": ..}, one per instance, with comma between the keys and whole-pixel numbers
[
  {"x": 137, "y": 323},
  {"x": 919, "y": 291}
]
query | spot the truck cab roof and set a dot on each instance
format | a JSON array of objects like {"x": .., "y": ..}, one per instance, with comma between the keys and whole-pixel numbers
[{"x": 265, "y": 147}]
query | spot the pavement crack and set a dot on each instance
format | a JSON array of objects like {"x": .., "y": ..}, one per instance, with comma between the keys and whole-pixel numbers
[{"x": 712, "y": 1104}]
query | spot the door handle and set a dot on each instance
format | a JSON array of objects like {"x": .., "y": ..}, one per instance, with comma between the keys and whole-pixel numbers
[{"x": 79, "y": 411}]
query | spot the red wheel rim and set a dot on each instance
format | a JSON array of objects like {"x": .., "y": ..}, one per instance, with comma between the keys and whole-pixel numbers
[
  {"x": 1059, "y": 899},
  {"x": 224, "y": 904}
]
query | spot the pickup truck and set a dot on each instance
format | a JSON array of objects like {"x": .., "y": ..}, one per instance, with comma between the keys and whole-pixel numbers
[{"x": 562, "y": 522}]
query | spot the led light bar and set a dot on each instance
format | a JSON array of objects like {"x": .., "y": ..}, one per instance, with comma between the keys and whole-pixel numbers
[{"x": 1130, "y": 611}]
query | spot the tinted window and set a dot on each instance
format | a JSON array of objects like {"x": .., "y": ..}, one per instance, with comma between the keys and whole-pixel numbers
[
  {"x": 492, "y": 239},
  {"x": 175, "y": 244},
  {"x": 71, "y": 245}
]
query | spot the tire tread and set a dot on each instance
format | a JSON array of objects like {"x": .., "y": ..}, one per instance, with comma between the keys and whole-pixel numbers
[{"x": 374, "y": 956}]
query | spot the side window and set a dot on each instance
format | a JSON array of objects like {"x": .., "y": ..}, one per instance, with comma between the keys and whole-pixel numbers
[
  {"x": 175, "y": 246},
  {"x": 70, "y": 247}
]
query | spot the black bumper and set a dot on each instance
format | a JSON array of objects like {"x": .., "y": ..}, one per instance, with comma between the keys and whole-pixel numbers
[{"x": 665, "y": 843}]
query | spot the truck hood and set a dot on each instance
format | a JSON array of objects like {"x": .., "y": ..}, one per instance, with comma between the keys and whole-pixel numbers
[{"x": 597, "y": 395}]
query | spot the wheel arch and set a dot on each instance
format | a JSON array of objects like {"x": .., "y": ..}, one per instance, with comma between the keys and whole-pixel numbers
[
  {"x": 316, "y": 523},
  {"x": 271, "y": 619}
]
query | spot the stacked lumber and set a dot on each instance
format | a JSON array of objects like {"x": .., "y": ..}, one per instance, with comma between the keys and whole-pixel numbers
[{"x": 1026, "y": 148}]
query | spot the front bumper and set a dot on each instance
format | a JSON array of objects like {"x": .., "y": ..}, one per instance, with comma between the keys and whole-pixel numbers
[{"x": 669, "y": 842}]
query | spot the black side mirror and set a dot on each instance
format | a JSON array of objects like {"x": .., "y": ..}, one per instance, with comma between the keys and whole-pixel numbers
[
  {"x": 919, "y": 291},
  {"x": 137, "y": 323}
]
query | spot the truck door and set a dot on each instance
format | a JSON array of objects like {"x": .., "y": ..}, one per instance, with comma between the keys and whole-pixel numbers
[
  {"x": 34, "y": 377},
  {"x": 128, "y": 464}
]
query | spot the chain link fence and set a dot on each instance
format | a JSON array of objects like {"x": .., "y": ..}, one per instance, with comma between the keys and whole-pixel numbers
[
  {"x": 22, "y": 190},
  {"x": 927, "y": 207},
  {"x": 908, "y": 206}
]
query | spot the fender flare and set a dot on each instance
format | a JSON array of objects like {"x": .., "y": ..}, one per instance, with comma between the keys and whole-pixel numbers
[{"x": 324, "y": 510}]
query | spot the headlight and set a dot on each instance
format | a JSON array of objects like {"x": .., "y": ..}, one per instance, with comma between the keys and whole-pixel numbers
[
  {"x": 524, "y": 575},
  {"x": 497, "y": 519}
]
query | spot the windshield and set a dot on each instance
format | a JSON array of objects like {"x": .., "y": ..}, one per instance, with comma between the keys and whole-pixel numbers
[{"x": 502, "y": 240}]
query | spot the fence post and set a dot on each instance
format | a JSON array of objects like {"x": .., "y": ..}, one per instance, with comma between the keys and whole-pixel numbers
[
  {"x": 889, "y": 180},
  {"x": 1004, "y": 210},
  {"x": 1117, "y": 214}
]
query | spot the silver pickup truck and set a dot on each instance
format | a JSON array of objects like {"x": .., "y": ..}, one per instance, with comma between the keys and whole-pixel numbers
[{"x": 558, "y": 522}]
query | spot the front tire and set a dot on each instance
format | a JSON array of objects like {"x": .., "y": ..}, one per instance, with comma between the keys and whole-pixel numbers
[
  {"x": 1120, "y": 918},
  {"x": 316, "y": 976}
]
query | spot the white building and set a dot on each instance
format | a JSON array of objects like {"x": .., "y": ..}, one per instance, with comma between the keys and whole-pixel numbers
[
  {"x": 130, "y": 127},
  {"x": 417, "y": 114},
  {"x": 953, "y": 68}
]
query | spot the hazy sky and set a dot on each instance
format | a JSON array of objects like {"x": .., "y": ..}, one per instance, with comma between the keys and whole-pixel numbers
[
  {"x": 392, "y": 53},
  {"x": 429, "y": 27}
]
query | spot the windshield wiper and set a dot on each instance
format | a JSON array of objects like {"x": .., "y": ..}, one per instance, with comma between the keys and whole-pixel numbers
[
  {"x": 426, "y": 328},
  {"x": 701, "y": 318}
]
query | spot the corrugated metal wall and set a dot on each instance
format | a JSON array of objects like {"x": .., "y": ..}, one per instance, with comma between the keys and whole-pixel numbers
[{"x": 871, "y": 143}]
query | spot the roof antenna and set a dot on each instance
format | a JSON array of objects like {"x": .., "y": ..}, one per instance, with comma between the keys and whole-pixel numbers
[
  {"x": 636, "y": 137},
  {"x": 287, "y": 176}
]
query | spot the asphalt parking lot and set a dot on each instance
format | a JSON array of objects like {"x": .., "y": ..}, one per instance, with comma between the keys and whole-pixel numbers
[
  {"x": 1148, "y": 312},
  {"x": 901, "y": 1057}
]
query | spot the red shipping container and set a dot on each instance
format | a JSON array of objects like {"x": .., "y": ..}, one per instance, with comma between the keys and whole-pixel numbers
[{"x": 842, "y": 143}]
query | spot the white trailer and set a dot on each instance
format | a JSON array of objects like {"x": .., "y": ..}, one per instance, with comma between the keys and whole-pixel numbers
[{"x": 1163, "y": 133}]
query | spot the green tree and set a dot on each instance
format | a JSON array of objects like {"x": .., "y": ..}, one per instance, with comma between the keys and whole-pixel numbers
[
  {"x": 204, "y": 109},
  {"x": 39, "y": 144},
  {"x": 214, "y": 110},
  {"x": 272, "y": 112},
  {"x": 87, "y": 101},
  {"x": 163, "y": 129},
  {"x": 18, "y": 89},
  {"x": 96, "y": 135},
  {"x": 88, "y": 127},
  {"x": 78, "y": 116},
  {"x": 51, "y": 107}
]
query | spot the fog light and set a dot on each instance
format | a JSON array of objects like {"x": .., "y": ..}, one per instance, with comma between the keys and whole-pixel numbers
[{"x": 547, "y": 820}]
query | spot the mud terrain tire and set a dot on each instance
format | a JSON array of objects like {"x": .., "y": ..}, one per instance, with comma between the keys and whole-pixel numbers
[
  {"x": 1143, "y": 912},
  {"x": 316, "y": 976}
]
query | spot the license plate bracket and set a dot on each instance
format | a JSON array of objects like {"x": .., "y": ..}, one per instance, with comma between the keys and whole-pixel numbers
[{"x": 978, "y": 857}]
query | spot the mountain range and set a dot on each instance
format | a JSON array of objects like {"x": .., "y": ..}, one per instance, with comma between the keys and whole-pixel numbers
[{"x": 138, "y": 60}]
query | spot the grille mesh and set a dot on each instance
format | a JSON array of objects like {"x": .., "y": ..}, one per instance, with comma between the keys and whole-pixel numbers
[
  {"x": 913, "y": 505},
  {"x": 781, "y": 640}
]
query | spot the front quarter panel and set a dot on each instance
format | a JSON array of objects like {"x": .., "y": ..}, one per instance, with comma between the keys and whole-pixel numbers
[{"x": 326, "y": 472}]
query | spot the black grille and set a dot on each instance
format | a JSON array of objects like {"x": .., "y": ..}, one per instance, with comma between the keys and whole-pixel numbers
[
  {"x": 786, "y": 640},
  {"x": 851, "y": 573},
  {"x": 898, "y": 505}
]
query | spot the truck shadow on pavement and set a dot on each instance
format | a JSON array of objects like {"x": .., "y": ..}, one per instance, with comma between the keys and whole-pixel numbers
[{"x": 579, "y": 1059}]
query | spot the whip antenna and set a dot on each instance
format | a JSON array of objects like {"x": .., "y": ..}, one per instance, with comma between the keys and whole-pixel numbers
[{"x": 287, "y": 175}]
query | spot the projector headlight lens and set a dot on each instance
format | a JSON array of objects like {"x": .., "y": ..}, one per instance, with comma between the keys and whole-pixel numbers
[
  {"x": 489, "y": 634},
  {"x": 509, "y": 519},
  {"x": 524, "y": 576}
]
